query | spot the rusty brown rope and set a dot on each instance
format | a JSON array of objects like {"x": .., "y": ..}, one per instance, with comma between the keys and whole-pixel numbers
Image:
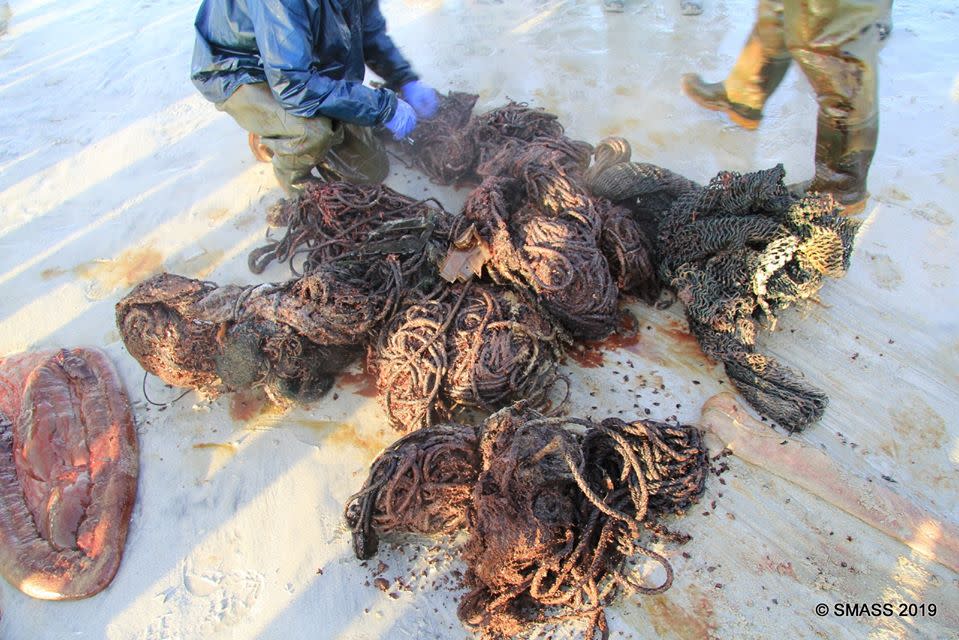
[
  {"x": 465, "y": 346},
  {"x": 441, "y": 150},
  {"x": 563, "y": 505},
  {"x": 290, "y": 338},
  {"x": 422, "y": 483},
  {"x": 558, "y": 506},
  {"x": 362, "y": 224},
  {"x": 544, "y": 232},
  {"x": 628, "y": 252},
  {"x": 151, "y": 321},
  {"x": 452, "y": 146}
]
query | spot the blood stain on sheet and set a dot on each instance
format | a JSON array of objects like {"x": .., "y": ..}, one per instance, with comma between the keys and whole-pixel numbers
[
  {"x": 248, "y": 404},
  {"x": 362, "y": 383},
  {"x": 918, "y": 426},
  {"x": 131, "y": 266},
  {"x": 589, "y": 354},
  {"x": 670, "y": 620},
  {"x": 671, "y": 345}
]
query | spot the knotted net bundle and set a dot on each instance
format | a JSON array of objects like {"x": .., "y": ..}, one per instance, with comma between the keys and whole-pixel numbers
[
  {"x": 445, "y": 148},
  {"x": 422, "y": 483},
  {"x": 544, "y": 233},
  {"x": 628, "y": 252},
  {"x": 647, "y": 190},
  {"x": 451, "y": 146},
  {"x": 558, "y": 506},
  {"x": 472, "y": 345},
  {"x": 736, "y": 252},
  {"x": 289, "y": 338}
]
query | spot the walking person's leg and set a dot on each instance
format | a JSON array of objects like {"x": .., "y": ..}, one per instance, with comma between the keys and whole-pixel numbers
[
  {"x": 836, "y": 44},
  {"x": 759, "y": 69}
]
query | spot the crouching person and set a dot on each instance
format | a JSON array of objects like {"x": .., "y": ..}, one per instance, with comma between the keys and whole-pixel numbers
[{"x": 290, "y": 72}]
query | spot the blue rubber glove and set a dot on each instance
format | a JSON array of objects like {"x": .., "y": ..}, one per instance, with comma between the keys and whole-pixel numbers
[
  {"x": 403, "y": 122},
  {"x": 421, "y": 97}
]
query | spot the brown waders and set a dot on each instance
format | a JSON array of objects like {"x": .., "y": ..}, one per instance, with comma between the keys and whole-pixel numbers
[
  {"x": 836, "y": 44},
  {"x": 339, "y": 151}
]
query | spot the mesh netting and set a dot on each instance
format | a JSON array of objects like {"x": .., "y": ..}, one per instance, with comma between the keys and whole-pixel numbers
[
  {"x": 736, "y": 252},
  {"x": 648, "y": 189},
  {"x": 557, "y": 507}
]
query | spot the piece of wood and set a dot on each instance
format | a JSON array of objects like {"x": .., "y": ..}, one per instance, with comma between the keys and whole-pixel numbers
[
  {"x": 875, "y": 504},
  {"x": 466, "y": 257},
  {"x": 68, "y": 472}
]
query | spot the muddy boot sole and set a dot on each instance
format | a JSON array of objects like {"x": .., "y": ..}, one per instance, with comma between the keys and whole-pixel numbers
[
  {"x": 853, "y": 208},
  {"x": 750, "y": 124}
]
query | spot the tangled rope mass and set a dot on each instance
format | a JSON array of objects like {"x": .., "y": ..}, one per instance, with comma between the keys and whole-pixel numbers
[
  {"x": 422, "y": 483},
  {"x": 545, "y": 232},
  {"x": 736, "y": 252},
  {"x": 290, "y": 338},
  {"x": 440, "y": 150},
  {"x": 471, "y": 345},
  {"x": 452, "y": 146},
  {"x": 628, "y": 252},
  {"x": 449, "y": 347},
  {"x": 557, "y": 507},
  {"x": 390, "y": 235}
]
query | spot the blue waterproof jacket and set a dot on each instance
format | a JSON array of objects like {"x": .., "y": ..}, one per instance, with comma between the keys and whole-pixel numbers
[{"x": 313, "y": 53}]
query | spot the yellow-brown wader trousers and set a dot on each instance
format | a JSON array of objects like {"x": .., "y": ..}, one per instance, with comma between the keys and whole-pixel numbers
[
  {"x": 836, "y": 44},
  {"x": 339, "y": 151}
]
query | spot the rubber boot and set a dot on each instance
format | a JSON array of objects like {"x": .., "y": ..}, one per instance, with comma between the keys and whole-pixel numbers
[
  {"x": 360, "y": 158},
  {"x": 843, "y": 156},
  {"x": 759, "y": 69},
  {"x": 712, "y": 96}
]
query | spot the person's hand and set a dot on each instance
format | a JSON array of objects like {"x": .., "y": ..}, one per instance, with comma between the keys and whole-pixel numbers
[
  {"x": 421, "y": 97},
  {"x": 403, "y": 122}
]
